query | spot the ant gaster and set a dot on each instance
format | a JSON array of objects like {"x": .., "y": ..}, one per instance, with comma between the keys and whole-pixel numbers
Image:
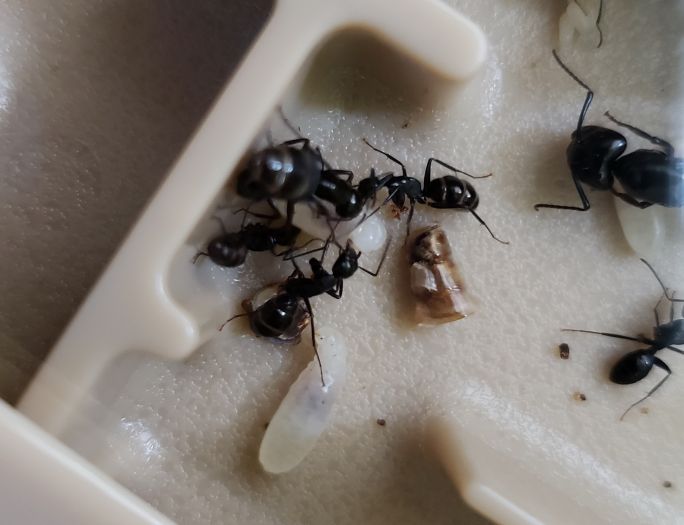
[
  {"x": 637, "y": 364},
  {"x": 446, "y": 192},
  {"x": 594, "y": 156}
]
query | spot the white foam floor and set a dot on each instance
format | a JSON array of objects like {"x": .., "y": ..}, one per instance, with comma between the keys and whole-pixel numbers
[{"x": 185, "y": 436}]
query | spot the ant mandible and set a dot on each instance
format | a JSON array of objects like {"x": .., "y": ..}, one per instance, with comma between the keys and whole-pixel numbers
[
  {"x": 446, "y": 192},
  {"x": 594, "y": 156},
  {"x": 637, "y": 364}
]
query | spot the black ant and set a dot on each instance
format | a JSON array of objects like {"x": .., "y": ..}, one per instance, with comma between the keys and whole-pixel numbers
[
  {"x": 230, "y": 249},
  {"x": 280, "y": 317},
  {"x": 636, "y": 365},
  {"x": 296, "y": 174},
  {"x": 447, "y": 192},
  {"x": 594, "y": 156}
]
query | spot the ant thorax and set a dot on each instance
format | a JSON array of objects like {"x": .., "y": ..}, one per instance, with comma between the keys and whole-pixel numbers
[{"x": 436, "y": 282}]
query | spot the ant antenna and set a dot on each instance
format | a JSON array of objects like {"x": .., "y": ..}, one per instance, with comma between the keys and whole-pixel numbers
[
  {"x": 390, "y": 157},
  {"x": 198, "y": 255},
  {"x": 671, "y": 297},
  {"x": 313, "y": 337},
  {"x": 455, "y": 170},
  {"x": 587, "y": 100},
  {"x": 598, "y": 22},
  {"x": 483, "y": 223},
  {"x": 641, "y": 339},
  {"x": 229, "y": 320},
  {"x": 295, "y": 131}
]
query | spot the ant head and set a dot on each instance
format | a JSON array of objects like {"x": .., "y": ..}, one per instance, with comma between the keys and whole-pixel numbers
[
  {"x": 227, "y": 250},
  {"x": 347, "y": 262},
  {"x": 632, "y": 367}
]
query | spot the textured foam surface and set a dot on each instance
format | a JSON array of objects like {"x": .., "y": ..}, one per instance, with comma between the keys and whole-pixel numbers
[
  {"x": 96, "y": 100},
  {"x": 185, "y": 436}
]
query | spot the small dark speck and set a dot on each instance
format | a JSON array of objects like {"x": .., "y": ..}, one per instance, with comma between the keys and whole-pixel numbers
[
  {"x": 667, "y": 484},
  {"x": 644, "y": 410},
  {"x": 381, "y": 422},
  {"x": 564, "y": 351},
  {"x": 579, "y": 396},
  {"x": 405, "y": 124},
  {"x": 266, "y": 424}
]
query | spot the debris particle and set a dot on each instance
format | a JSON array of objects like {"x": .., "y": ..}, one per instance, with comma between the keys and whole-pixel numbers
[
  {"x": 405, "y": 124},
  {"x": 266, "y": 424},
  {"x": 579, "y": 396},
  {"x": 667, "y": 484},
  {"x": 394, "y": 211},
  {"x": 644, "y": 410},
  {"x": 381, "y": 422},
  {"x": 564, "y": 351}
]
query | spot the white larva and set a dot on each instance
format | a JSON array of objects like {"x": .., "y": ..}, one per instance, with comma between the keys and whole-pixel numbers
[
  {"x": 368, "y": 236},
  {"x": 303, "y": 414}
]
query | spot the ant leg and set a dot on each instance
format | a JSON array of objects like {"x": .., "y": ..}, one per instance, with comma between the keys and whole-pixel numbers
[
  {"x": 657, "y": 141},
  {"x": 608, "y": 334},
  {"x": 660, "y": 282},
  {"x": 660, "y": 364},
  {"x": 246, "y": 211},
  {"x": 672, "y": 307},
  {"x": 631, "y": 200},
  {"x": 412, "y": 207},
  {"x": 290, "y": 255},
  {"x": 376, "y": 210},
  {"x": 587, "y": 100},
  {"x": 229, "y": 320},
  {"x": 289, "y": 213},
  {"x": 198, "y": 255},
  {"x": 582, "y": 196},
  {"x": 272, "y": 205},
  {"x": 337, "y": 292},
  {"x": 348, "y": 173},
  {"x": 485, "y": 225},
  {"x": 313, "y": 336},
  {"x": 294, "y": 142},
  {"x": 382, "y": 260},
  {"x": 428, "y": 170},
  {"x": 390, "y": 157}
]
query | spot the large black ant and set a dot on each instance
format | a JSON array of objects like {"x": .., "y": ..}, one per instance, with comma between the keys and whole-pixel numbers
[
  {"x": 594, "y": 156},
  {"x": 636, "y": 365},
  {"x": 297, "y": 174},
  {"x": 446, "y": 192}
]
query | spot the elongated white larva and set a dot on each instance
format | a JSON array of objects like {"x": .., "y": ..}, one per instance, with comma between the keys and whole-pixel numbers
[{"x": 303, "y": 414}]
